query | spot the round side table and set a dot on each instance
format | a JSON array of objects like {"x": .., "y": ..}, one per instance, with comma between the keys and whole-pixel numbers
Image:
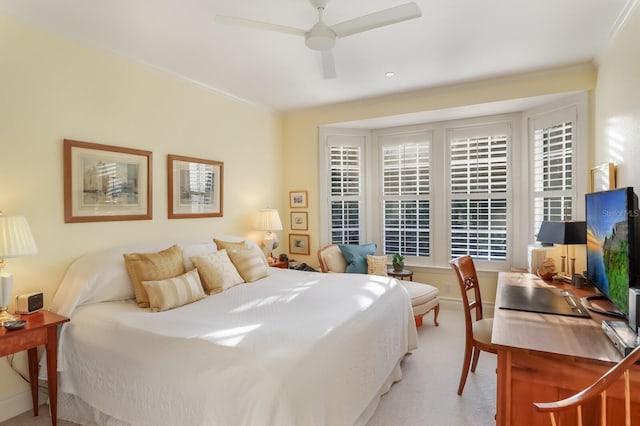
[{"x": 404, "y": 274}]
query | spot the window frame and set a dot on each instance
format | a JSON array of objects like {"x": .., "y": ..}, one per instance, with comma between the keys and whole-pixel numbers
[{"x": 520, "y": 165}]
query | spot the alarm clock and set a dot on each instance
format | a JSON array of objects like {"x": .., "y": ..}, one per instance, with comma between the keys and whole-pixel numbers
[{"x": 29, "y": 303}]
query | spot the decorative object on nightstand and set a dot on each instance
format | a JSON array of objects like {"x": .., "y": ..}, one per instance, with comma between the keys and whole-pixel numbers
[
  {"x": 16, "y": 240},
  {"x": 269, "y": 220},
  {"x": 398, "y": 262}
]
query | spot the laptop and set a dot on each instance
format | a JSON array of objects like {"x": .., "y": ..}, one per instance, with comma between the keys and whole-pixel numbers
[{"x": 542, "y": 300}]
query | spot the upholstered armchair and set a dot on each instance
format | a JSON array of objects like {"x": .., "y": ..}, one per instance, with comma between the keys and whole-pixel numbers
[{"x": 424, "y": 297}]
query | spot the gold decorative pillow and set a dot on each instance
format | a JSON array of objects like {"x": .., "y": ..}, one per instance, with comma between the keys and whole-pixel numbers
[
  {"x": 174, "y": 292},
  {"x": 217, "y": 272},
  {"x": 249, "y": 265},
  {"x": 230, "y": 246},
  {"x": 141, "y": 267},
  {"x": 377, "y": 265}
]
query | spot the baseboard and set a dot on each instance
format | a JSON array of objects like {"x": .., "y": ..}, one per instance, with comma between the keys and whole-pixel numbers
[
  {"x": 456, "y": 304},
  {"x": 19, "y": 403}
]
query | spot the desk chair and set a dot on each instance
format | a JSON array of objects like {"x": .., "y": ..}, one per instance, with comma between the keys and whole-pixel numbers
[
  {"x": 596, "y": 394},
  {"x": 478, "y": 329}
]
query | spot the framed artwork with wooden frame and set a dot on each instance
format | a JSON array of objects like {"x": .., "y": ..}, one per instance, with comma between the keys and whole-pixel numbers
[
  {"x": 106, "y": 183},
  {"x": 195, "y": 187},
  {"x": 299, "y": 221},
  {"x": 298, "y": 199},
  {"x": 298, "y": 244},
  {"x": 602, "y": 177}
]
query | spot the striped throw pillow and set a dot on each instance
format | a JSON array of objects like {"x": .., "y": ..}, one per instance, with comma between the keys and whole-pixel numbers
[
  {"x": 174, "y": 292},
  {"x": 249, "y": 264}
]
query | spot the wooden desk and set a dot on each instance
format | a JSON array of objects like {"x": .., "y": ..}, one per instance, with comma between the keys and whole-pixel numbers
[
  {"x": 41, "y": 329},
  {"x": 544, "y": 358}
]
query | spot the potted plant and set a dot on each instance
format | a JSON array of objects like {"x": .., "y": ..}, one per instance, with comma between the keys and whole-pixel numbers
[{"x": 398, "y": 262}]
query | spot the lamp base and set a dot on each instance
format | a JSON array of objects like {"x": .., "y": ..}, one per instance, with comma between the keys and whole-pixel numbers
[{"x": 5, "y": 316}]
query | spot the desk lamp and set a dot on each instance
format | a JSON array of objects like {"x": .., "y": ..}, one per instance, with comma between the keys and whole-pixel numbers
[
  {"x": 269, "y": 220},
  {"x": 16, "y": 240},
  {"x": 566, "y": 233}
]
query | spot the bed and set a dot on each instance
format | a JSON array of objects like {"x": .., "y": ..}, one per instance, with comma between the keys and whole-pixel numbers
[{"x": 293, "y": 348}]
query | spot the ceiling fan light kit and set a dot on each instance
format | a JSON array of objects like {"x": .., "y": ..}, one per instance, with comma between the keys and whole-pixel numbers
[{"x": 322, "y": 37}]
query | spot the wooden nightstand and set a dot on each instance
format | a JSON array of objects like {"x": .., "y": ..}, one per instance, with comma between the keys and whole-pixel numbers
[
  {"x": 41, "y": 329},
  {"x": 282, "y": 264}
]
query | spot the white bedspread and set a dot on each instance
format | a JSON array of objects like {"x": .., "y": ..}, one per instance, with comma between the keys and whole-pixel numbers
[{"x": 295, "y": 348}]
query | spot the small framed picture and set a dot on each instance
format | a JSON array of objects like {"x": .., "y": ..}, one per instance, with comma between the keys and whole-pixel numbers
[
  {"x": 298, "y": 199},
  {"x": 299, "y": 221},
  {"x": 603, "y": 177},
  {"x": 298, "y": 244}
]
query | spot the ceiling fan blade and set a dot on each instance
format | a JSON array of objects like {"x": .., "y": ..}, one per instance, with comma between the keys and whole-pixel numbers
[
  {"x": 328, "y": 65},
  {"x": 393, "y": 15},
  {"x": 243, "y": 22}
]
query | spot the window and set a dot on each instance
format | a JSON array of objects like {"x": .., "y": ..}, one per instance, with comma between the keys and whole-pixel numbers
[
  {"x": 438, "y": 190},
  {"x": 553, "y": 160},
  {"x": 405, "y": 198},
  {"x": 344, "y": 187},
  {"x": 479, "y": 185}
]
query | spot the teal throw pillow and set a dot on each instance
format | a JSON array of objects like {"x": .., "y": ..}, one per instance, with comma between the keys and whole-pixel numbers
[{"x": 356, "y": 256}]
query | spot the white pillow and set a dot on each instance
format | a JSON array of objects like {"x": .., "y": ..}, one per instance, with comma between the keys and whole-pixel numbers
[{"x": 190, "y": 250}]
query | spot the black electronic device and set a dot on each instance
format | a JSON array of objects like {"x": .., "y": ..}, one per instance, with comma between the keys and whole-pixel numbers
[
  {"x": 14, "y": 325},
  {"x": 612, "y": 241},
  {"x": 29, "y": 303},
  {"x": 621, "y": 335}
]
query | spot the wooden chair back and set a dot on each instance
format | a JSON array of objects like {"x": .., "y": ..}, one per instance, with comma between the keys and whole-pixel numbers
[
  {"x": 597, "y": 390},
  {"x": 468, "y": 280}
]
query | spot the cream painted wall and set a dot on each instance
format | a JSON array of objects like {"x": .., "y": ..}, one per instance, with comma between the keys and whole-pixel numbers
[
  {"x": 617, "y": 107},
  {"x": 301, "y": 139},
  {"x": 52, "y": 89}
]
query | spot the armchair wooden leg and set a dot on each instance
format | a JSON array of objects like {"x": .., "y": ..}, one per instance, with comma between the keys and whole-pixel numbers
[
  {"x": 436, "y": 311},
  {"x": 418, "y": 320}
]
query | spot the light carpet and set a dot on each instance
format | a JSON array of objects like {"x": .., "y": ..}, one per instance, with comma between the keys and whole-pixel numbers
[{"x": 426, "y": 395}]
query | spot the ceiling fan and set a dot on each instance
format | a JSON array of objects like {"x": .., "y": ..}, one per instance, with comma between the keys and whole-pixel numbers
[{"x": 322, "y": 37}]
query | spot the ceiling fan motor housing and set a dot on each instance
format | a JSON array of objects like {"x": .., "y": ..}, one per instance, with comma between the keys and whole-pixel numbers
[{"x": 320, "y": 37}]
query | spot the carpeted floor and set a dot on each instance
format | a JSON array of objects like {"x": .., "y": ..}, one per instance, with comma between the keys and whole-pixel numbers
[{"x": 427, "y": 393}]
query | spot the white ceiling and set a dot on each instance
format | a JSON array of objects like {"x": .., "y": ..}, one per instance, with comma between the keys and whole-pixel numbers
[{"x": 453, "y": 41}]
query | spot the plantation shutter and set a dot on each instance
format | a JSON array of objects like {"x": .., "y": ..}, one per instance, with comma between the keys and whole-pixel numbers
[
  {"x": 406, "y": 198},
  {"x": 345, "y": 163},
  {"x": 479, "y": 185},
  {"x": 553, "y": 158}
]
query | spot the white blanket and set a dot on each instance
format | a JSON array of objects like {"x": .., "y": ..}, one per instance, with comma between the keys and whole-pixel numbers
[{"x": 295, "y": 348}]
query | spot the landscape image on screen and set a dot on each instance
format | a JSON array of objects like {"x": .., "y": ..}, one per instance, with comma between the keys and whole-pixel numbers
[{"x": 608, "y": 245}]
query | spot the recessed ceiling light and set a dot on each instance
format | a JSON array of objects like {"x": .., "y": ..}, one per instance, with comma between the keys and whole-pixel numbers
[{"x": 390, "y": 73}]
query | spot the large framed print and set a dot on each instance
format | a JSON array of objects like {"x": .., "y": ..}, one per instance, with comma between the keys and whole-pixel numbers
[
  {"x": 195, "y": 187},
  {"x": 106, "y": 183}
]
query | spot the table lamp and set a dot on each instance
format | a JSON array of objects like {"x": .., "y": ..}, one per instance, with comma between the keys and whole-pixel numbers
[
  {"x": 16, "y": 240},
  {"x": 269, "y": 220},
  {"x": 566, "y": 233}
]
